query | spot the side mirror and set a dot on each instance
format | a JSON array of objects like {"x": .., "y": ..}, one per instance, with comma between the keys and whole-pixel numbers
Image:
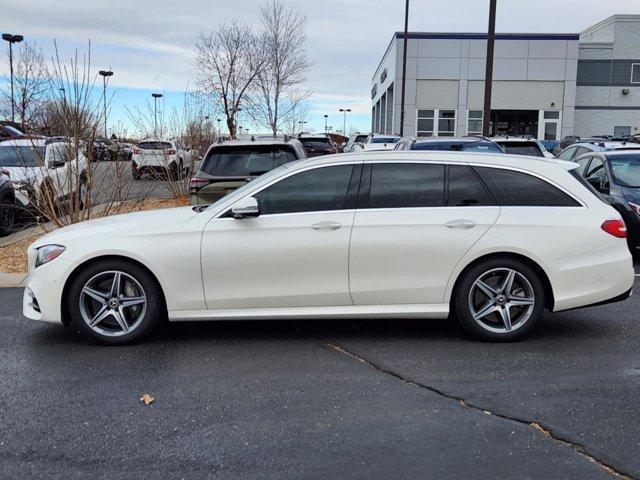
[{"x": 245, "y": 208}]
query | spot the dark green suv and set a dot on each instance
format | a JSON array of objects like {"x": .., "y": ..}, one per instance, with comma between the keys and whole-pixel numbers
[{"x": 231, "y": 164}]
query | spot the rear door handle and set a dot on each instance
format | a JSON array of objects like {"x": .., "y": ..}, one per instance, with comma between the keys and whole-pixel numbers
[
  {"x": 326, "y": 226},
  {"x": 461, "y": 224}
]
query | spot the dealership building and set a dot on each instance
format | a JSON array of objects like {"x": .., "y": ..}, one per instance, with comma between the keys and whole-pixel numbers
[{"x": 545, "y": 85}]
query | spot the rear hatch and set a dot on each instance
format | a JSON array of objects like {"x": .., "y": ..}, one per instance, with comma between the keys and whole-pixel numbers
[
  {"x": 152, "y": 153},
  {"x": 316, "y": 146},
  {"x": 227, "y": 167}
]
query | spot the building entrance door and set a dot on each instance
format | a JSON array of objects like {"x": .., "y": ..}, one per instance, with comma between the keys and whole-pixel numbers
[{"x": 514, "y": 122}]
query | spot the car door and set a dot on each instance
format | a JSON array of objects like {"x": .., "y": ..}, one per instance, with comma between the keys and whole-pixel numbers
[
  {"x": 58, "y": 169},
  {"x": 294, "y": 254},
  {"x": 413, "y": 224}
]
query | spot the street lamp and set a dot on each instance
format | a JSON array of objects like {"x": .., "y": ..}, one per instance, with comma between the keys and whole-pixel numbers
[
  {"x": 105, "y": 74},
  {"x": 155, "y": 96},
  {"x": 488, "y": 74},
  {"x": 326, "y": 119},
  {"x": 12, "y": 39},
  {"x": 344, "y": 124},
  {"x": 218, "y": 120},
  {"x": 301, "y": 122},
  {"x": 404, "y": 66}
]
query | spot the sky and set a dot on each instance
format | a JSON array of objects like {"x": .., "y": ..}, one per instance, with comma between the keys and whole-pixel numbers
[{"x": 149, "y": 43}]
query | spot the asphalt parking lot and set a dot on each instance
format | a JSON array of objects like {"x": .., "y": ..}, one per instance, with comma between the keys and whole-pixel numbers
[{"x": 323, "y": 399}]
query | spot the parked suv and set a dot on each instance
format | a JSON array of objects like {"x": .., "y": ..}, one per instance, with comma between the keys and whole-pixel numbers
[
  {"x": 231, "y": 164},
  {"x": 354, "y": 141},
  {"x": 42, "y": 168},
  {"x": 575, "y": 150},
  {"x": 7, "y": 203},
  {"x": 168, "y": 157},
  {"x": 464, "y": 144},
  {"x": 616, "y": 175},
  {"x": 378, "y": 142},
  {"x": 317, "y": 145}
]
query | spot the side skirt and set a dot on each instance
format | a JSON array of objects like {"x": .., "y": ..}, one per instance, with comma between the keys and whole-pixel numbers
[{"x": 435, "y": 310}]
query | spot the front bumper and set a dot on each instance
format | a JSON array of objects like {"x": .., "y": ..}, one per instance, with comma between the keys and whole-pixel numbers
[{"x": 42, "y": 295}]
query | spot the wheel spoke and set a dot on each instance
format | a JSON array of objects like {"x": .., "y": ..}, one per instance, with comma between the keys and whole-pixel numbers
[
  {"x": 115, "y": 286},
  {"x": 487, "y": 289},
  {"x": 96, "y": 295},
  {"x": 490, "y": 307},
  {"x": 507, "y": 285},
  {"x": 506, "y": 317},
  {"x": 121, "y": 319},
  {"x": 126, "y": 302},
  {"x": 103, "y": 313},
  {"x": 520, "y": 301}
]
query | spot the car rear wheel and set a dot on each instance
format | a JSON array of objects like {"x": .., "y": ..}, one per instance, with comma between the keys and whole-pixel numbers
[
  {"x": 499, "y": 300},
  {"x": 115, "y": 302},
  {"x": 7, "y": 216}
]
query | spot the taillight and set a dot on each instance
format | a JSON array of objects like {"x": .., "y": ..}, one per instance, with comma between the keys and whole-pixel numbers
[
  {"x": 170, "y": 151},
  {"x": 137, "y": 151},
  {"x": 616, "y": 227},
  {"x": 196, "y": 183}
]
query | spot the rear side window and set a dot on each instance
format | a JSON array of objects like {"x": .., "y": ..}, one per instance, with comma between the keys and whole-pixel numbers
[
  {"x": 405, "y": 185},
  {"x": 517, "y": 189},
  {"x": 465, "y": 190}
]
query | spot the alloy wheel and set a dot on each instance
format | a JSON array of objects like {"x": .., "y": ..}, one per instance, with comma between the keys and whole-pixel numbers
[
  {"x": 501, "y": 300},
  {"x": 113, "y": 303}
]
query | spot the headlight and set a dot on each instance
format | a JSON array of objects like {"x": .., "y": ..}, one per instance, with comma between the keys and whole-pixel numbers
[
  {"x": 48, "y": 253},
  {"x": 635, "y": 208}
]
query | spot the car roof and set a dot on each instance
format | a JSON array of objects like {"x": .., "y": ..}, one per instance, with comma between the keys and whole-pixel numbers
[
  {"x": 450, "y": 140},
  {"x": 25, "y": 142},
  {"x": 513, "y": 139},
  {"x": 496, "y": 159},
  {"x": 621, "y": 153},
  {"x": 257, "y": 141}
]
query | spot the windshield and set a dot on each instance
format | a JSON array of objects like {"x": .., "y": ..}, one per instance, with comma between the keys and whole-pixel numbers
[
  {"x": 626, "y": 170},
  {"x": 319, "y": 143},
  {"x": 522, "y": 148},
  {"x": 22, "y": 156},
  {"x": 154, "y": 145},
  {"x": 385, "y": 140},
  {"x": 359, "y": 138},
  {"x": 245, "y": 161},
  {"x": 479, "y": 146}
]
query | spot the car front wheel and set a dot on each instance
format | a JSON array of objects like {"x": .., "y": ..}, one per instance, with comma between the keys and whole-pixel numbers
[
  {"x": 115, "y": 302},
  {"x": 499, "y": 300}
]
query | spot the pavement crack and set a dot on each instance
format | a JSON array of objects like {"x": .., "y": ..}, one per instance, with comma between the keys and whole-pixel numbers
[{"x": 545, "y": 431}]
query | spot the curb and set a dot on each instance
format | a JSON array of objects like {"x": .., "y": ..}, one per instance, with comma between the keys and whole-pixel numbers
[{"x": 13, "y": 280}]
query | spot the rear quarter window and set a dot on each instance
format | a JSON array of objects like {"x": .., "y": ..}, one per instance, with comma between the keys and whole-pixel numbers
[{"x": 517, "y": 189}]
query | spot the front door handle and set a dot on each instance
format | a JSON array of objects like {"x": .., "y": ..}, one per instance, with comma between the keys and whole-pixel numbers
[
  {"x": 326, "y": 226},
  {"x": 461, "y": 224}
]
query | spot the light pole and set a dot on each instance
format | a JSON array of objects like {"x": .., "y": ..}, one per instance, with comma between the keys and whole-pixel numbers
[
  {"x": 301, "y": 122},
  {"x": 326, "y": 124},
  {"x": 404, "y": 66},
  {"x": 105, "y": 74},
  {"x": 12, "y": 39},
  {"x": 219, "y": 120},
  {"x": 344, "y": 124},
  {"x": 488, "y": 76},
  {"x": 155, "y": 96}
]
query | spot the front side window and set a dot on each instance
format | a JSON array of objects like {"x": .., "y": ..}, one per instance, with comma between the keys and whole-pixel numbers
[
  {"x": 465, "y": 190},
  {"x": 406, "y": 185},
  {"x": 597, "y": 173},
  {"x": 567, "y": 153},
  {"x": 316, "y": 190},
  {"x": 518, "y": 189}
]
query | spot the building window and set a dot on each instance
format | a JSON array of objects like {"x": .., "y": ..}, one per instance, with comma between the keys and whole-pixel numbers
[
  {"x": 474, "y": 122},
  {"x": 425, "y": 123},
  {"x": 635, "y": 73},
  {"x": 446, "y": 123},
  {"x": 551, "y": 115}
]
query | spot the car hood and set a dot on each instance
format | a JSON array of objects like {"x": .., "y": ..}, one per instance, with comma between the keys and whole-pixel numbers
[
  {"x": 22, "y": 174},
  {"x": 149, "y": 222}
]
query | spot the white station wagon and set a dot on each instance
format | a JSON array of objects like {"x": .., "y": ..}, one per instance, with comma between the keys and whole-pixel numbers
[{"x": 492, "y": 239}]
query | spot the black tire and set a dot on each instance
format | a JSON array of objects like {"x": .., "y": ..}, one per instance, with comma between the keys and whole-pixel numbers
[
  {"x": 83, "y": 182},
  {"x": 527, "y": 317},
  {"x": 7, "y": 216},
  {"x": 181, "y": 173},
  {"x": 174, "y": 173},
  {"x": 148, "y": 317}
]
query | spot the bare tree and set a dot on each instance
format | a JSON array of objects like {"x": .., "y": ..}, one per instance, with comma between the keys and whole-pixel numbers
[
  {"x": 228, "y": 62},
  {"x": 282, "y": 39},
  {"x": 31, "y": 84}
]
